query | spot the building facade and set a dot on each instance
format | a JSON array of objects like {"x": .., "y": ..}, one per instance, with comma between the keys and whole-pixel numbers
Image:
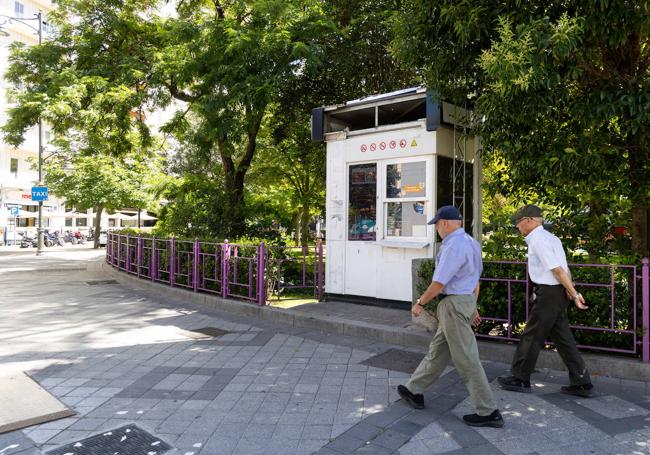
[{"x": 18, "y": 165}]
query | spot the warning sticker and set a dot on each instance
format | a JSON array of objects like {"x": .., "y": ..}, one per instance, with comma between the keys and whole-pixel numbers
[
  {"x": 364, "y": 147},
  {"x": 382, "y": 146},
  {"x": 402, "y": 143},
  {"x": 373, "y": 147},
  {"x": 414, "y": 144},
  {"x": 392, "y": 144}
]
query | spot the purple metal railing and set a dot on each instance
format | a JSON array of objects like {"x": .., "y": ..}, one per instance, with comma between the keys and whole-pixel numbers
[
  {"x": 632, "y": 330},
  {"x": 225, "y": 269},
  {"x": 308, "y": 276},
  {"x": 255, "y": 272}
]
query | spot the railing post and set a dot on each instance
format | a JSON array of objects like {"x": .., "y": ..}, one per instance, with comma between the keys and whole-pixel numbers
[
  {"x": 152, "y": 265},
  {"x": 645, "y": 302},
  {"x": 261, "y": 272},
  {"x": 195, "y": 271},
  {"x": 109, "y": 241},
  {"x": 127, "y": 262},
  {"x": 119, "y": 250},
  {"x": 172, "y": 259},
  {"x": 225, "y": 265},
  {"x": 138, "y": 254},
  {"x": 320, "y": 269}
]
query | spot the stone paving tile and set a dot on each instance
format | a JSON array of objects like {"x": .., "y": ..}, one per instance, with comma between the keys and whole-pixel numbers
[{"x": 276, "y": 389}]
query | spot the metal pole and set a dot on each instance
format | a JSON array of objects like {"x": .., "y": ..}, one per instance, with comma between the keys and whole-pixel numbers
[
  {"x": 645, "y": 299},
  {"x": 195, "y": 269},
  {"x": 39, "y": 249},
  {"x": 261, "y": 288}
]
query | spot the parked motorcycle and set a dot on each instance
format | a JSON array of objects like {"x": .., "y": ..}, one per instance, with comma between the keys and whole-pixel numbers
[
  {"x": 27, "y": 241},
  {"x": 70, "y": 237},
  {"x": 80, "y": 237},
  {"x": 52, "y": 238}
]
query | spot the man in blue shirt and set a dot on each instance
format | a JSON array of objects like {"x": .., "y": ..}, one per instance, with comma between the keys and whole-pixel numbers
[{"x": 456, "y": 281}]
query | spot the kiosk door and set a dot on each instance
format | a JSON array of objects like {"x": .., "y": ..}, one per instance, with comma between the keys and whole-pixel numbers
[{"x": 361, "y": 250}]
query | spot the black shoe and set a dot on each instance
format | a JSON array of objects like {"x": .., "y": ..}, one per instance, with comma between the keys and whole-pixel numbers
[
  {"x": 493, "y": 420},
  {"x": 584, "y": 390},
  {"x": 514, "y": 384},
  {"x": 414, "y": 399}
]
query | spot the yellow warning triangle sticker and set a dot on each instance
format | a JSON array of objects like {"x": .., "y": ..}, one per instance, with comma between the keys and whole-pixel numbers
[{"x": 414, "y": 144}]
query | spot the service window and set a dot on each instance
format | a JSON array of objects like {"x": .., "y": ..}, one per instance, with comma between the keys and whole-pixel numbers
[
  {"x": 405, "y": 199},
  {"x": 362, "y": 197}
]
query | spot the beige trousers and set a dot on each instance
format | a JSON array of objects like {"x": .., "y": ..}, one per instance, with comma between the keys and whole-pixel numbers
[{"x": 455, "y": 340}]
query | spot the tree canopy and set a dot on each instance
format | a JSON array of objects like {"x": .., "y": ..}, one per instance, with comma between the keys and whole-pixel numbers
[{"x": 562, "y": 91}]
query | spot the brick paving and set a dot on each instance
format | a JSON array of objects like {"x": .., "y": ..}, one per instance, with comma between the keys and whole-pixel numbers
[{"x": 118, "y": 357}]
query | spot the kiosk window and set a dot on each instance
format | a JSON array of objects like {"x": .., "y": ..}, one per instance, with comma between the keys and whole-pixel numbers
[
  {"x": 445, "y": 190},
  {"x": 405, "y": 194},
  {"x": 362, "y": 211}
]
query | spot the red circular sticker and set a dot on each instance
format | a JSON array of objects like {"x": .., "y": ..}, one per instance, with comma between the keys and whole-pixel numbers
[
  {"x": 393, "y": 144},
  {"x": 373, "y": 147},
  {"x": 382, "y": 145},
  {"x": 364, "y": 147},
  {"x": 402, "y": 143}
]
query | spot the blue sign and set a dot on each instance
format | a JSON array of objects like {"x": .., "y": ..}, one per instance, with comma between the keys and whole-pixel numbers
[
  {"x": 39, "y": 193},
  {"x": 14, "y": 211}
]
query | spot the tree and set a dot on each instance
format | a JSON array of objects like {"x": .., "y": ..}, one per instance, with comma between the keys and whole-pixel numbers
[
  {"x": 103, "y": 182},
  {"x": 563, "y": 101},
  {"x": 228, "y": 62}
]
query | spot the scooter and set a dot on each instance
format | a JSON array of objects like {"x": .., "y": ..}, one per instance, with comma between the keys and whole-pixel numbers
[
  {"x": 80, "y": 237},
  {"x": 27, "y": 241}
]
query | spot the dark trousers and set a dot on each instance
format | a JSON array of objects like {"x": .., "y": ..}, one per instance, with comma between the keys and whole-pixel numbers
[{"x": 548, "y": 318}]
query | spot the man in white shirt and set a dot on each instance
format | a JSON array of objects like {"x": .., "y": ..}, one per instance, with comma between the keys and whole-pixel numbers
[{"x": 553, "y": 291}]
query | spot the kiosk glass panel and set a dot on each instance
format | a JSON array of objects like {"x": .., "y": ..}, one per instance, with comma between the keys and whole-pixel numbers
[
  {"x": 362, "y": 209},
  {"x": 406, "y": 219},
  {"x": 406, "y": 179}
]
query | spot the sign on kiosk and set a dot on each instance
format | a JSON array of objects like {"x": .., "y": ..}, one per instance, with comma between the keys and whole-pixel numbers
[{"x": 39, "y": 193}]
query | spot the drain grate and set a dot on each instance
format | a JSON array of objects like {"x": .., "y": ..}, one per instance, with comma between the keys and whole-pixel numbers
[
  {"x": 126, "y": 440},
  {"x": 396, "y": 360},
  {"x": 211, "y": 331},
  {"x": 100, "y": 282}
]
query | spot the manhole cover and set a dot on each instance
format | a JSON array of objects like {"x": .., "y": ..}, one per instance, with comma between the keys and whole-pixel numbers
[
  {"x": 211, "y": 331},
  {"x": 100, "y": 282},
  {"x": 396, "y": 360},
  {"x": 126, "y": 440}
]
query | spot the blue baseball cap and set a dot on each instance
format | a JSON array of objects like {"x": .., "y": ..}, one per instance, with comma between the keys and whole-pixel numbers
[{"x": 447, "y": 212}]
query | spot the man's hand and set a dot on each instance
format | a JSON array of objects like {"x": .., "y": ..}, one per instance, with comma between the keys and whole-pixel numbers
[
  {"x": 416, "y": 310},
  {"x": 476, "y": 319},
  {"x": 580, "y": 302}
]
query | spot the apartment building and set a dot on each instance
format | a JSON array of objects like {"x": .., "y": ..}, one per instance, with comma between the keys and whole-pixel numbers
[{"x": 18, "y": 172}]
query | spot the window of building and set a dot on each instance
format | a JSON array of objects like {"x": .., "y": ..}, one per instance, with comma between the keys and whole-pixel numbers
[
  {"x": 68, "y": 222},
  {"x": 81, "y": 222},
  {"x": 19, "y": 9},
  {"x": 405, "y": 199},
  {"x": 362, "y": 196},
  {"x": 13, "y": 166}
]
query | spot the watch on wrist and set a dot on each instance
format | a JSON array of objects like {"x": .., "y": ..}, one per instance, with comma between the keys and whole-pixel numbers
[{"x": 417, "y": 302}]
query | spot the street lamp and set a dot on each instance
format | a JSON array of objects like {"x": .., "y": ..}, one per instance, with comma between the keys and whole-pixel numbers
[{"x": 39, "y": 30}]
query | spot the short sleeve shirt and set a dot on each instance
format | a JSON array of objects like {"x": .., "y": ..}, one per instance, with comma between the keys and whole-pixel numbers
[
  {"x": 545, "y": 253},
  {"x": 458, "y": 264}
]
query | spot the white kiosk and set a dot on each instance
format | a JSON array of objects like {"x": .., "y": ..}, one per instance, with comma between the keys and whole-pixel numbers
[{"x": 392, "y": 159}]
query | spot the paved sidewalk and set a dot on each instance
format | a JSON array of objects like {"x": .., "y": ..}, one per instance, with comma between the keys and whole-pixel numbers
[{"x": 121, "y": 356}]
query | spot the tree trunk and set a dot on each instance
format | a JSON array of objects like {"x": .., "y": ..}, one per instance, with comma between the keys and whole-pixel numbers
[
  {"x": 98, "y": 227},
  {"x": 304, "y": 225},
  {"x": 296, "y": 227}
]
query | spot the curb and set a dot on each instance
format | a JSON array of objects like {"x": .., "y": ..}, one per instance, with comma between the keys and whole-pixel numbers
[{"x": 598, "y": 365}]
